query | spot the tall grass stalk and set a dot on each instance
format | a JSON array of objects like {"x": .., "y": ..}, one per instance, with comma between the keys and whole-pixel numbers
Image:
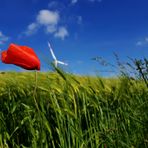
[{"x": 63, "y": 110}]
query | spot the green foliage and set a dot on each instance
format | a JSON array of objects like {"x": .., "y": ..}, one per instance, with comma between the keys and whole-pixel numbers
[{"x": 61, "y": 110}]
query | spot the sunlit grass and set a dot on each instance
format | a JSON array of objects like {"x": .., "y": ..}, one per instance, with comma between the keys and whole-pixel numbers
[{"x": 73, "y": 111}]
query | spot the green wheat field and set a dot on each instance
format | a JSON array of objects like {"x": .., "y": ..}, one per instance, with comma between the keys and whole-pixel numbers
[{"x": 60, "y": 110}]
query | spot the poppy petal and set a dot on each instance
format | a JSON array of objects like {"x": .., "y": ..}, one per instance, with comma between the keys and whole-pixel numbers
[{"x": 22, "y": 56}]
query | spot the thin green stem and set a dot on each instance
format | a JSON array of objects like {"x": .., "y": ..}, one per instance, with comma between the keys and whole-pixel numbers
[{"x": 35, "y": 92}]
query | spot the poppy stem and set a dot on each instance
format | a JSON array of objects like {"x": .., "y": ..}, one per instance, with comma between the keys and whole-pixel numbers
[{"x": 34, "y": 93}]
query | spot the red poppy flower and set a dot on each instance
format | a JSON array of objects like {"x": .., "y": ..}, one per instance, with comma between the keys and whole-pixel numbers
[{"x": 22, "y": 56}]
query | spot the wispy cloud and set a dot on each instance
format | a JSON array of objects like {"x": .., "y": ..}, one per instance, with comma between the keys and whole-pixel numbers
[
  {"x": 3, "y": 38},
  {"x": 61, "y": 33},
  {"x": 79, "y": 62},
  {"x": 50, "y": 21},
  {"x": 53, "y": 4},
  {"x": 79, "y": 20},
  {"x": 142, "y": 42},
  {"x": 95, "y": 0},
  {"x": 56, "y": 5},
  {"x": 74, "y": 1},
  {"x": 31, "y": 29},
  {"x": 139, "y": 43},
  {"x": 146, "y": 39}
]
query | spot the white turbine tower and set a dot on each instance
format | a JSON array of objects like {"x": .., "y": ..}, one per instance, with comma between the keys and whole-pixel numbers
[{"x": 56, "y": 62}]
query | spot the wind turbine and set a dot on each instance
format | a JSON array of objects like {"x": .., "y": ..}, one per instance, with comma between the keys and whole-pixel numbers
[{"x": 56, "y": 62}]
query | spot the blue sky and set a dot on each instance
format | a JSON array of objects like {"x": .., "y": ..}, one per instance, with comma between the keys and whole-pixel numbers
[{"x": 78, "y": 30}]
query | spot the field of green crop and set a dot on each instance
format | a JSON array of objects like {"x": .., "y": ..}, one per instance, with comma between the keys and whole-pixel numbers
[{"x": 59, "y": 110}]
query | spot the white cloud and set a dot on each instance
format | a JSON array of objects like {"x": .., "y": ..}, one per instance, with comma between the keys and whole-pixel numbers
[
  {"x": 61, "y": 33},
  {"x": 49, "y": 20},
  {"x": 47, "y": 17},
  {"x": 51, "y": 28},
  {"x": 74, "y": 1},
  {"x": 3, "y": 38},
  {"x": 142, "y": 42}
]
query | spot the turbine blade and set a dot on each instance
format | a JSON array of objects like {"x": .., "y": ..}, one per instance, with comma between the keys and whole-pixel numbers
[
  {"x": 60, "y": 62},
  {"x": 52, "y": 53}
]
